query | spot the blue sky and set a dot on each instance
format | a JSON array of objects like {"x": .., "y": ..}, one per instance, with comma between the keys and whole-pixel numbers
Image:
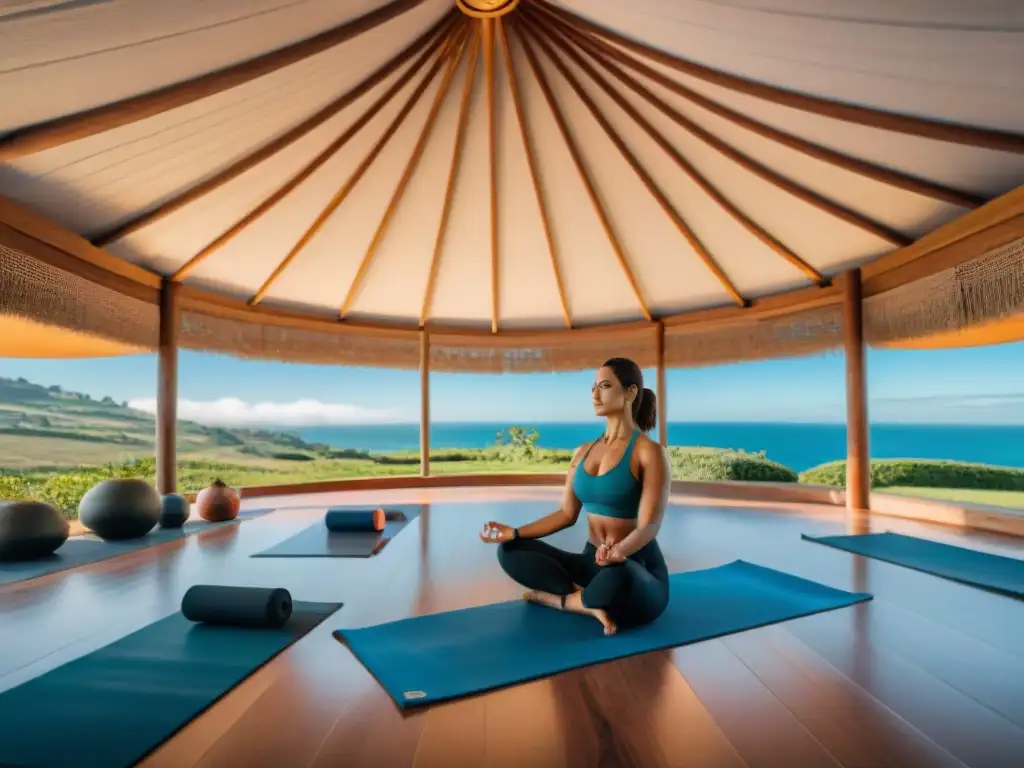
[{"x": 981, "y": 386}]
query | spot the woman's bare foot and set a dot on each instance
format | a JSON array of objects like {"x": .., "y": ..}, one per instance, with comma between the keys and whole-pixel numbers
[
  {"x": 602, "y": 616},
  {"x": 574, "y": 604},
  {"x": 543, "y": 598}
]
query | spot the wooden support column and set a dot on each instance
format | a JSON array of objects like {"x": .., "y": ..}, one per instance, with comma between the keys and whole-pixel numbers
[
  {"x": 167, "y": 390},
  {"x": 858, "y": 455},
  {"x": 425, "y": 403},
  {"x": 662, "y": 391}
]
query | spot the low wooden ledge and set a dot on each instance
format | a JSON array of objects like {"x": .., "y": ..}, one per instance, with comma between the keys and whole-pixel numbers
[
  {"x": 977, "y": 516},
  {"x": 972, "y": 516},
  {"x": 393, "y": 482},
  {"x": 741, "y": 490},
  {"x": 960, "y": 515}
]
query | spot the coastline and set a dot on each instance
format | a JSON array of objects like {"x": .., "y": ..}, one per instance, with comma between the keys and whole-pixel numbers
[{"x": 800, "y": 445}]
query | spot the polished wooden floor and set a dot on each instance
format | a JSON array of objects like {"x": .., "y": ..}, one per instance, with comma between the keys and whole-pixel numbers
[{"x": 930, "y": 673}]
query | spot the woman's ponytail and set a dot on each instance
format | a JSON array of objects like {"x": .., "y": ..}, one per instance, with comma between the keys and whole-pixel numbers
[{"x": 645, "y": 410}]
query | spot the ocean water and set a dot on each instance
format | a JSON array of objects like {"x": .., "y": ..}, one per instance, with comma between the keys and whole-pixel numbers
[{"x": 799, "y": 446}]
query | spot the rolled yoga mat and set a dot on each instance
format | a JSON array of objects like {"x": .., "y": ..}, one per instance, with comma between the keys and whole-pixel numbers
[
  {"x": 318, "y": 541},
  {"x": 255, "y": 607},
  {"x": 445, "y": 656},
  {"x": 83, "y": 550},
  {"x": 995, "y": 573},
  {"x": 119, "y": 703},
  {"x": 339, "y": 520}
]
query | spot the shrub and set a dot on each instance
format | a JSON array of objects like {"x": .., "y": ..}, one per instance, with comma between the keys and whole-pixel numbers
[
  {"x": 711, "y": 464},
  {"x": 14, "y": 488},
  {"x": 66, "y": 491},
  {"x": 341, "y": 453},
  {"x": 516, "y": 444},
  {"x": 290, "y": 456},
  {"x": 922, "y": 473}
]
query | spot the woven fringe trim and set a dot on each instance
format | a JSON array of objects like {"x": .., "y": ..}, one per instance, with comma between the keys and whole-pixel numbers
[
  {"x": 582, "y": 355},
  {"x": 246, "y": 339},
  {"x": 987, "y": 288},
  {"x": 35, "y": 290},
  {"x": 798, "y": 334}
]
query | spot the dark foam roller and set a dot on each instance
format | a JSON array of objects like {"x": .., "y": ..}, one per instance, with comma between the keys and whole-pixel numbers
[
  {"x": 256, "y": 607},
  {"x": 345, "y": 520}
]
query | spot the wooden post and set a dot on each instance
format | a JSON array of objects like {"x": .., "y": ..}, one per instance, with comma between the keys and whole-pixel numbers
[
  {"x": 167, "y": 390},
  {"x": 425, "y": 403},
  {"x": 662, "y": 390},
  {"x": 858, "y": 455}
]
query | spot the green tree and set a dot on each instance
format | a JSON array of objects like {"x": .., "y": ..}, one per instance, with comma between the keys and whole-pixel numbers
[{"x": 519, "y": 444}]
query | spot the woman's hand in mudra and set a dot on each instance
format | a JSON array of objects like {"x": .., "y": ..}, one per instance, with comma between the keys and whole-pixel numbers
[
  {"x": 608, "y": 554},
  {"x": 496, "y": 533}
]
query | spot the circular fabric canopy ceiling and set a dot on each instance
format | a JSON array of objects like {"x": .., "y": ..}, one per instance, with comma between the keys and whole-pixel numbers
[{"x": 507, "y": 164}]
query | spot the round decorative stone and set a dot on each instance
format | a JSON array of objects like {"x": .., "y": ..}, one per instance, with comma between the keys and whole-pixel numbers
[
  {"x": 486, "y": 9},
  {"x": 218, "y": 503},
  {"x": 30, "y": 530},
  {"x": 174, "y": 510},
  {"x": 120, "y": 508}
]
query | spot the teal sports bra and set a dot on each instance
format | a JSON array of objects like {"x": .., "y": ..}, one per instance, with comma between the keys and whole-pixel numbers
[{"x": 616, "y": 493}]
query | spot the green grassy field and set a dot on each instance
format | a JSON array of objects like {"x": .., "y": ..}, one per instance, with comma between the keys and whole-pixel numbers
[
  {"x": 48, "y": 428},
  {"x": 1006, "y": 499}
]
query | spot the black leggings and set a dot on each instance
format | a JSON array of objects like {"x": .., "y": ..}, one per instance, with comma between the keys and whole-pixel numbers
[{"x": 634, "y": 592}]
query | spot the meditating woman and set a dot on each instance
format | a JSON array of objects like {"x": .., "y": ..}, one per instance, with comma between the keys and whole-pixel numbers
[{"x": 622, "y": 480}]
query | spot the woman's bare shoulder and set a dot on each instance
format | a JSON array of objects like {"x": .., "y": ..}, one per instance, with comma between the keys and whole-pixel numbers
[
  {"x": 577, "y": 454},
  {"x": 649, "y": 450}
]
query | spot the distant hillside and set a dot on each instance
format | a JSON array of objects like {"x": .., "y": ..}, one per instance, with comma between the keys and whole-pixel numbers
[{"x": 50, "y": 428}]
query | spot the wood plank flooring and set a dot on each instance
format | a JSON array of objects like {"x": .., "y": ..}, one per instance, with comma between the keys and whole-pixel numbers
[{"x": 930, "y": 673}]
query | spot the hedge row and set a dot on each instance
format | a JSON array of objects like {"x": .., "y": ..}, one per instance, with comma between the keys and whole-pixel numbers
[
  {"x": 715, "y": 465},
  {"x": 920, "y": 473}
]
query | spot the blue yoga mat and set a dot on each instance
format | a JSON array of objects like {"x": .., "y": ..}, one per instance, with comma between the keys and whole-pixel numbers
[
  {"x": 444, "y": 656},
  {"x": 114, "y": 706},
  {"x": 82, "y": 550},
  {"x": 317, "y": 541},
  {"x": 1004, "y": 575}
]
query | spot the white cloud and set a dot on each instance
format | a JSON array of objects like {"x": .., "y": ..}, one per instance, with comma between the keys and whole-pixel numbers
[{"x": 232, "y": 412}]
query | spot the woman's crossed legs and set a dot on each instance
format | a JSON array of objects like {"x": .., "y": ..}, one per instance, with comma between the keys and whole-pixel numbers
[{"x": 625, "y": 593}]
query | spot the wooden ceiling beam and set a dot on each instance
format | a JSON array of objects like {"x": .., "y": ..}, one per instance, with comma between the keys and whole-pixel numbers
[
  {"x": 986, "y": 138},
  {"x": 454, "y": 59},
  {"x": 745, "y": 161},
  {"x": 63, "y": 130},
  {"x": 436, "y": 33},
  {"x": 706, "y": 186},
  {"x": 330, "y": 151},
  {"x": 449, "y": 190},
  {"x": 585, "y": 176},
  {"x": 863, "y": 168},
  {"x": 356, "y": 175},
  {"x": 645, "y": 178},
  {"x": 531, "y": 162},
  {"x": 487, "y": 43}
]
